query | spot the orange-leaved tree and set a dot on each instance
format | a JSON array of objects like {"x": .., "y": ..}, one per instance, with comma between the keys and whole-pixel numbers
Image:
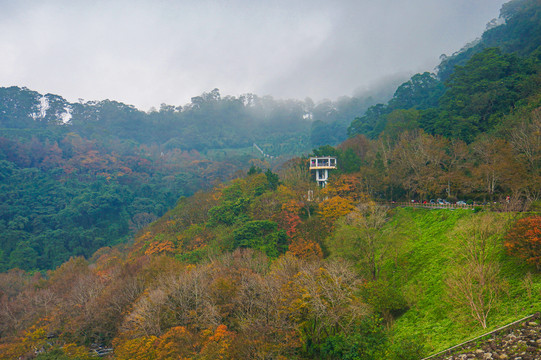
[
  {"x": 141, "y": 348},
  {"x": 524, "y": 240},
  {"x": 305, "y": 249},
  {"x": 333, "y": 208},
  {"x": 347, "y": 186},
  {"x": 177, "y": 343},
  {"x": 217, "y": 344}
]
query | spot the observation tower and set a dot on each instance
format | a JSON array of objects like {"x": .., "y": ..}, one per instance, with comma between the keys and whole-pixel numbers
[{"x": 322, "y": 165}]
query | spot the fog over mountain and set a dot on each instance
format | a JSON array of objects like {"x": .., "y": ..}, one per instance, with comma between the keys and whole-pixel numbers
[{"x": 150, "y": 52}]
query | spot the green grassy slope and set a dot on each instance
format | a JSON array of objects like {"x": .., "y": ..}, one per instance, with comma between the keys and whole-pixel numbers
[{"x": 431, "y": 251}]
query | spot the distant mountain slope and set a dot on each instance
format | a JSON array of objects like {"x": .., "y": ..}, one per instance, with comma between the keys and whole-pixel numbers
[
  {"x": 78, "y": 176},
  {"x": 209, "y": 121},
  {"x": 473, "y": 89},
  {"x": 518, "y": 30}
]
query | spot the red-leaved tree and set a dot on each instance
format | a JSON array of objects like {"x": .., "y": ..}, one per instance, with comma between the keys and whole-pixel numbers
[{"x": 524, "y": 240}]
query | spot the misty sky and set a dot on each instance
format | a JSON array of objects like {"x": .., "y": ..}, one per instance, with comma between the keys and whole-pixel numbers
[{"x": 146, "y": 53}]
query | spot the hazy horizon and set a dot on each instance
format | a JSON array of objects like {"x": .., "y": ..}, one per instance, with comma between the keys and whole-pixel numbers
[{"x": 146, "y": 53}]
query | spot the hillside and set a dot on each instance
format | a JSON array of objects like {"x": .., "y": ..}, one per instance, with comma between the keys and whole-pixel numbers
[
  {"x": 254, "y": 269},
  {"x": 473, "y": 134},
  {"x": 78, "y": 176},
  {"x": 480, "y": 89},
  {"x": 199, "y": 232},
  {"x": 441, "y": 250}
]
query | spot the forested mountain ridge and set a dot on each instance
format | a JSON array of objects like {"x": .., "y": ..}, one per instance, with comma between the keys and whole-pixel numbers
[
  {"x": 515, "y": 31},
  {"x": 79, "y": 176},
  {"x": 236, "y": 121},
  {"x": 470, "y": 133},
  {"x": 475, "y": 89}
]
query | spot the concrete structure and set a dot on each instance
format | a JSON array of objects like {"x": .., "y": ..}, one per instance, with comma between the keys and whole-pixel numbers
[{"x": 322, "y": 165}]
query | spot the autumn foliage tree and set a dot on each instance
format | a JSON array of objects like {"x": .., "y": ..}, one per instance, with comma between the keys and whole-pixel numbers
[
  {"x": 333, "y": 208},
  {"x": 523, "y": 240},
  {"x": 305, "y": 249}
]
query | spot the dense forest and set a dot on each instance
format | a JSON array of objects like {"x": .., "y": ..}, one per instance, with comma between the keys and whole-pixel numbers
[
  {"x": 472, "y": 133},
  {"x": 255, "y": 269},
  {"x": 168, "y": 234},
  {"x": 78, "y": 176},
  {"x": 475, "y": 89}
]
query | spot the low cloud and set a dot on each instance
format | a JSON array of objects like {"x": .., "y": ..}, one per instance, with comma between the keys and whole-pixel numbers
[{"x": 150, "y": 52}]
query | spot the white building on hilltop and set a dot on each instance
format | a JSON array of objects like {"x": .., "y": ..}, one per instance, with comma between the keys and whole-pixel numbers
[{"x": 322, "y": 165}]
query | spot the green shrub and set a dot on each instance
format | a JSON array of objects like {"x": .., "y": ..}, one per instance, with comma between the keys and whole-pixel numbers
[
  {"x": 409, "y": 348},
  {"x": 385, "y": 298},
  {"x": 366, "y": 342}
]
